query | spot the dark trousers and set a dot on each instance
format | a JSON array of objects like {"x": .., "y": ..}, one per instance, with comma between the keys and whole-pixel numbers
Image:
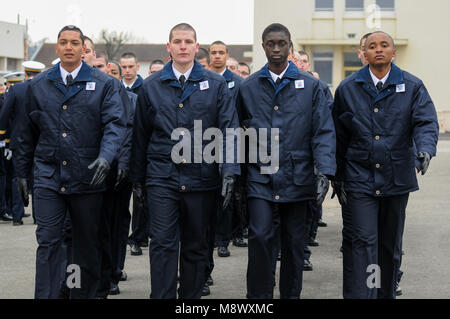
[
  {"x": 122, "y": 226},
  {"x": 347, "y": 259},
  {"x": 111, "y": 238},
  {"x": 84, "y": 212},
  {"x": 212, "y": 229},
  {"x": 230, "y": 223},
  {"x": 140, "y": 224},
  {"x": 377, "y": 225},
  {"x": 13, "y": 198},
  {"x": 261, "y": 242},
  {"x": 179, "y": 219},
  {"x": 316, "y": 216}
]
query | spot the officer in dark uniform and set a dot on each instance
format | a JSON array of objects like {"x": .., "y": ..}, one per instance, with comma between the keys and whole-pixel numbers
[
  {"x": 72, "y": 131},
  {"x": 140, "y": 220},
  {"x": 181, "y": 192},
  {"x": 225, "y": 225},
  {"x": 380, "y": 112},
  {"x": 291, "y": 106},
  {"x": 5, "y": 216},
  {"x": 10, "y": 115},
  {"x": 116, "y": 200}
]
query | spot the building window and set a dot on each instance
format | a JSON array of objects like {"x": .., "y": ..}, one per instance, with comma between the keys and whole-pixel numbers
[
  {"x": 352, "y": 63},
  {"x": 354, "y": 5},
  {"x": 323, "y": 64},
  {"x": 386, "y": 5},
  {"x": 324, "y": 5},
  {"x": 11, "y": 64}
]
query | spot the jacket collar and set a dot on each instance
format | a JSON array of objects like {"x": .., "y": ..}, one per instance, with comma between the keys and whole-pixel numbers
[
  {"x": 198, "y": 72},
  {"x": 291, "y": 72},
  {"x": 84, "y": 75},
  {"x": 228, "y": 75},
  {"x": 395, "y": 77},
  {"x": 138, "y": 82}
]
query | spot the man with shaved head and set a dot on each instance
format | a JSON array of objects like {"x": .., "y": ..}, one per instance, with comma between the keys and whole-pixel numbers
[{"x": 380, "y": 113}]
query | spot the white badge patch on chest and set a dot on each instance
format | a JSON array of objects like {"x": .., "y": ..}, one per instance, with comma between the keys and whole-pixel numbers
[
  {"x": 204, "y": 85},
  {"x": 231, "y": 85},
  {"x": 401, "y": 88},
  {"x": 90, "y": 86},
  {"x": 300, "y": 84}
]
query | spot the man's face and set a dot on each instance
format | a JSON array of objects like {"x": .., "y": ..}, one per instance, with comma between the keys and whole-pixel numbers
[
  {"x": 183, "y": 47},
  {"x": 130, "y": 68},
  {"x": 244, "y": 71},
  {"x": 276, "y": 47},
  {"x": 233, "y": 66},
  {"x": 204, "y": 63},
  {"x": 379, "y": 50},
  {"x": 89, "y": 55},
  {"x": 219, "y": 56},
  {"x": 361, "y": 55},
  {"x": 70, "y": 48},
  {"x": 114, "y": 71},
  {"x": 2, "y": 88},
  {"x": 303, "y": 63},
  {"x": 156, "y": 68},
  {"x": 100, "y": 63}
]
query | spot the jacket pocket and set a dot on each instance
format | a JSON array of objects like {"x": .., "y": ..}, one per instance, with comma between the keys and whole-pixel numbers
[
  {"x": 357, "y": 166},
  {"x": 86, "y": 157},
  {"x": 45, "y": 163},
  {"x": 159, "y": 166},
  {"x": 254, "y": 175},
  {"x": 303, "y": 168},
  {"x": 403, "y": 167}
]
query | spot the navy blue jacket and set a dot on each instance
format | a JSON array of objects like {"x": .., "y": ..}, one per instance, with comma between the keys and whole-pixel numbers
[
  {"x": 233, "y": 82},
  {"x": 12, "y": 112},
  {"x": 130, "y": 101},
  {"x": 162, "y": 107},
  {"x": 376, "y": 132},
  {"x": 301, "y": 112},
  {"x": 137, "y": 84},
  {"x": 66, "y": 129}
]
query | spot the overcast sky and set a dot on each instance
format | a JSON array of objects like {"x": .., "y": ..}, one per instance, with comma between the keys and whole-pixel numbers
[{"x": 148, "y": 20}]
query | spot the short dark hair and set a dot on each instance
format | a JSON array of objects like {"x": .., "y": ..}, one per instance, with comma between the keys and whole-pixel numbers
[
  {"x": 387, "y": 34},
  {"x": 102, "y": 54},
  {"x": 276, "y": 27},
  {"x": 154, "y": 62},
  {"x": 128, "y": 55},
  {"x": 72, "y": 28},
  {"x": 203, "y": 54},
  {"x": 218, "y": 42},
  {"x": 118, "y": 65},
  {"x": 245, "y": 64},
  {"x": 184, "y": 27},
  {"x": 364, "y": 37},
  {"x": 304, "y": 53}
]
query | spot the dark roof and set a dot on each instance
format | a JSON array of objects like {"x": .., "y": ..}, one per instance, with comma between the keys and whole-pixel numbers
[{"x": 144, "y": 52}]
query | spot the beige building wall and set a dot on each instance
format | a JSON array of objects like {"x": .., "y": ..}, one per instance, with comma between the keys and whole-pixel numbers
[{"x": 419, "y": 27}]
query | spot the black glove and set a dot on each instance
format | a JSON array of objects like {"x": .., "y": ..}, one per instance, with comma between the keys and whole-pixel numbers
[
  {"x": 22, "y": 185},
  {"x": 228, "y": 183},
  {"x": 338, "y": 189},
  {"x": 138, "y": 195},
  {"x": 424, "y": 159},
  {"x": 121, "y": 176},
  {"x": 101, "y": 171},
  {"x": 322, "y": 188}
]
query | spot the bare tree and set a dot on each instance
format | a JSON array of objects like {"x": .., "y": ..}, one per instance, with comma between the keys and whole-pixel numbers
[{"x": 114, "y": 42}]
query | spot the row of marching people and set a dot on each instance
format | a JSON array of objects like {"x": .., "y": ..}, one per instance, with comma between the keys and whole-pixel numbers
[{"x": 175, "y": 141}]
